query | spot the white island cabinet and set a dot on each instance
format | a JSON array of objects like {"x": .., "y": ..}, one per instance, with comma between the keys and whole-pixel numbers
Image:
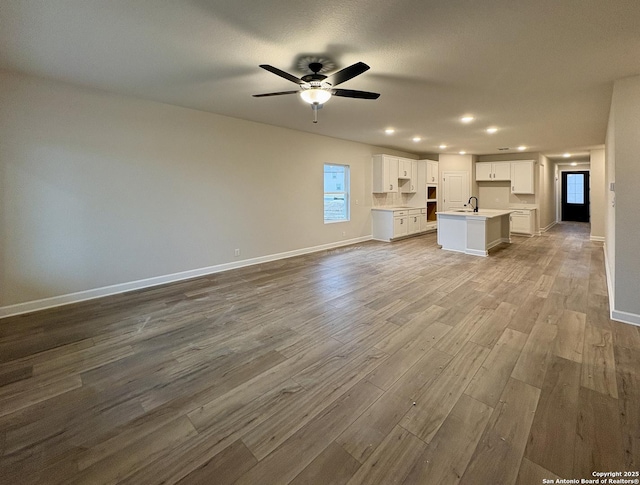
[{"x": 473, "y": 232}]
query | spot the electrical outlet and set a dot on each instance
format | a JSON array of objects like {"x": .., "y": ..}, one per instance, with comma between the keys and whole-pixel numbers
[
  {"x": 344, "y": 233},
  {"x": 236, "y": 252}
]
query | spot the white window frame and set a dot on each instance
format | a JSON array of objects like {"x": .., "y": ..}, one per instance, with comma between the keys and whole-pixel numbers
[{"x": 346, "y": 192}]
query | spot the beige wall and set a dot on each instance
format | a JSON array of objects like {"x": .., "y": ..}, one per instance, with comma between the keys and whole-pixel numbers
[
  {"x": 547, "y": 194},
  {"x": 498, "y": 194},
  {"x": 597, "y": 200},
  {"x": 610, "y": 212},
  {"x": 98, "y": 189},
  {"x": 623, "y": 157},
  {"x": 455, "y": 163}
]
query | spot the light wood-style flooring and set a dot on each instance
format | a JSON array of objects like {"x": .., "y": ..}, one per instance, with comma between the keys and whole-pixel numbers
[{"x": 371, "y": 364}]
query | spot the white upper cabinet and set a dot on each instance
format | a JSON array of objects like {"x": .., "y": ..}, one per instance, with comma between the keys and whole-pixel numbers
[
  {"x": 522, "y": 177},
  {"x": 519, "y": 172},
  {"x": 432, "y": 172},
  {"x": 404, "y": 168},
  {"x": 410, "y": 185},
  {"x": 493, "y": 171},
  {"x": 385, "y": 174},
  {"x": 484, "y": 171},
  {"x": 502, "y": 171}
]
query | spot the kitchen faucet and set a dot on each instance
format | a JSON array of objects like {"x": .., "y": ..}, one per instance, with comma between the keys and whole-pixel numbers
[{"x": 475, "y": 209}]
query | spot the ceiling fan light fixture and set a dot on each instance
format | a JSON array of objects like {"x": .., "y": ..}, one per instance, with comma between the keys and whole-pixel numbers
[{"x": 315, "y": 95}]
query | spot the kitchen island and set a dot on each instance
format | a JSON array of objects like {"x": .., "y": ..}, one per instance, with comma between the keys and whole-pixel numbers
[{"x": 473, "y": 232}]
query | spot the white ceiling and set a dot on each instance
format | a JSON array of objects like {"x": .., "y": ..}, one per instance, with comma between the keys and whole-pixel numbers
[{"x": 540, "y": 70}]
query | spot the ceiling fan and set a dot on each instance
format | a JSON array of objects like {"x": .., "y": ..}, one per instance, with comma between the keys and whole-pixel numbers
[{"x": 316, "y": 88}]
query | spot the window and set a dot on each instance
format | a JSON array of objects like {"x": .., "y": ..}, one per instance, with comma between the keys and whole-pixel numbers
[
  {"x": 336, "y": 193},
  {"x": 575, "y": 188}
]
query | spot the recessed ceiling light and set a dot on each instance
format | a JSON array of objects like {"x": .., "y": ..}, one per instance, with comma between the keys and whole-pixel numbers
[
  {"x": 389, "y": 131},
  {"x": 442, "y": 147},
  {"x": 416, "y": 139},
  {"x": 491, "y": 130},
  {"x": 566, "y": 155},
  {"x": 522, "y": 148},
  {"x": 573, "y": 164},
  {"x": 467, "y": 119},
  {"x": 462, "y": 152}
]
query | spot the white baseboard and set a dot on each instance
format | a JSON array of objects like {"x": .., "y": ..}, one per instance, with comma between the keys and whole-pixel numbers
[
  {"x": 476, "y": 252},
  {"x": 620, "y": 316},
  {"x": 607, "y": 272},
  {"x": 545, "y": 229},
  {"x": 56, "y": 301},
  {"x": 596, "y": 238},
  {"x": 624, "y": 317}
]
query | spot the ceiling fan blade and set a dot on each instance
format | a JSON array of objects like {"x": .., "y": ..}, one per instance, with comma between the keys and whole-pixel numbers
[
  {"x": 281, "y": 73},
  {"x": 275, "y": 94},
  {"x": 348, "y": 73},
  {"x": 350, "y": 93}
]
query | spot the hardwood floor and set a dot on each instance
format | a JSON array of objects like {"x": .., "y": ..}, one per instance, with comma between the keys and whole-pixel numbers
[{"x": 375, "y": 363}]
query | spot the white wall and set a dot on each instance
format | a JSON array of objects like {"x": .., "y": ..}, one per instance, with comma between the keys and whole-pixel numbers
[
  {"x": 98, "y": 189},
  {"x": 623, "y": 155}
]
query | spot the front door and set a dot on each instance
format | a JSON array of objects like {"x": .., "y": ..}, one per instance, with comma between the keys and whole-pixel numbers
[{"x": 575, "y": 196}]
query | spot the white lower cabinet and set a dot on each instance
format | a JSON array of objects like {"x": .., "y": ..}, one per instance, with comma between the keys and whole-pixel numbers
[
  {"x": 391, "y": 223},
  {"x": 400, "y": 225},
  {"x": 423, "y": 220},
  {"x": 524, "y": 222},
  {"x": 414, "y": 221}
]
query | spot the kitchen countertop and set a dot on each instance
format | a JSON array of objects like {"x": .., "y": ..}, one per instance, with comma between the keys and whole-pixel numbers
[
  {"x": 482, "y": 213},
  {"x": 395, "y": 208},
  {"x": 523, "y": 206}
]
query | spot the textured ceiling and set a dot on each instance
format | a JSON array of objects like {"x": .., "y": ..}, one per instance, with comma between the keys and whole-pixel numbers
[{"x": 539, "y": 70}]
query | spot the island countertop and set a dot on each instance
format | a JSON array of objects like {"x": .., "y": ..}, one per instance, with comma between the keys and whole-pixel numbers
[{"x": 481, "y": 214}]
